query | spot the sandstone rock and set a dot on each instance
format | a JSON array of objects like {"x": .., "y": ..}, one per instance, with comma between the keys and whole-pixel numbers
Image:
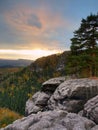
[
  {"x": 52, "y": 120},
  {"x": 80, "y": 113},
  {"x": 36, "y": 103},
  {"x": 67, "y": 105},
  {"x": 72, "y": 94},
  {"x": 91, "y": 109},
  {"x": 52, "y": 84},
  {"x": 95, "y": 128},
  {"x": 76, "y": 122}
]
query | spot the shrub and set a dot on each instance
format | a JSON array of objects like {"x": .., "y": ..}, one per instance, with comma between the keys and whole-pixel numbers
[{"x": 7, "y": 117}]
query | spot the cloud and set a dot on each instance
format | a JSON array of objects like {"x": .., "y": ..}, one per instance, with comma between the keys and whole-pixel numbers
[{"x": 34, "y": 21}]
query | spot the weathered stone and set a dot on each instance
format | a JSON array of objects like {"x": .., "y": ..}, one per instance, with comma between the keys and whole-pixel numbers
[
  {"x": 72, "y": 94},
  {"x": 40, "y": 98},
  {"x": 52, "y": 84},
  {"x": 80, "y": 113},
  {"x": 36, "y": 103},
  {"x": 67, "y": 105},
  {"x": 75, "y": 122},
  {"x": 52, "y": 120},
  {"x": 91, "y": 109},
  {"x": 95, "y": 128}
]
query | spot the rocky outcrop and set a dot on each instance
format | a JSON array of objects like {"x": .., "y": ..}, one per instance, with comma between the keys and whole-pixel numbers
[
  {"x": 37, "y": 103},
  {"x": 39, "y": 100},
  {"x": 52, "y": 84},
  {"x": 49, "y": 109},
  {"x": 91, "y": 109},
  {"x": 72, "y": 94},
  {"x": 52, "y": 120}
]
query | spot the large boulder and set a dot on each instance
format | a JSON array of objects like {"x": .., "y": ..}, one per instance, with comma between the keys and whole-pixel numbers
[
  {"x": 72, "y": 94},
  {"x": 91, "y": 109},
  {"x": 52, "y": 120},
  {"x": 37, "y": 103},
  {"x": 52, "y": 84}
]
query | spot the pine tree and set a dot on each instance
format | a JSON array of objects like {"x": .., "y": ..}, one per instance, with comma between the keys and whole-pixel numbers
[{"x": 84, "y": 44}]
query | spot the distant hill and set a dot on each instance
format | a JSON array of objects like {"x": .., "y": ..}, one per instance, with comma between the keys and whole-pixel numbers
[
  {"x": 50, "y": 65},
  {"x": 4, "y": 63}
]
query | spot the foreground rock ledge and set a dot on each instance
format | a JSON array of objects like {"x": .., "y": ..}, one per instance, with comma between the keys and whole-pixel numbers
[{"x": 52, "y": 120}]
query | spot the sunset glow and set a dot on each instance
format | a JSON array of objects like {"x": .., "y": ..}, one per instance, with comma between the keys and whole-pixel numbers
[{"x": 26, "y": 54}]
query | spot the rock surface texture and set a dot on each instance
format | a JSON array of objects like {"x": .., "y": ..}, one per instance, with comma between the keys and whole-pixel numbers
[
  {"x": 52, "y": 84},
  {"x": 56, "y": 105},
  {"x": 37, "y": 103},
  {"x": 52, "y": 120},
  {"x": 95, "y": 128},
  {"x": 91, "y": 109},
  {"x": 72, "y": 94}
]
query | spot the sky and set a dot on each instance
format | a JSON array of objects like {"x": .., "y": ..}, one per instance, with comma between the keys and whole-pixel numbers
[{"x": 30, "y": 29}]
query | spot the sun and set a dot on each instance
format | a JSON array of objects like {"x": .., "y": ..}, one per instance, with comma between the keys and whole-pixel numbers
[{"x": 38, "y": 52}]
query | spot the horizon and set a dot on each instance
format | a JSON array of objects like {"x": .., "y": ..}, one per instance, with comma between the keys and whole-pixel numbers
[
  {"x": 28, "y": 53},
  {"x": 33, "y": 29},
  {"x": 55, "y": 53}
]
